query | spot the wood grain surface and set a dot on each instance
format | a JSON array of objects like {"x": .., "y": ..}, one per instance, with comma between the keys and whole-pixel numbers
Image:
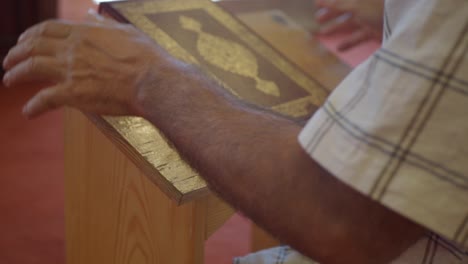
[
  {"x": 217, "y": 213},
  {"x": 115, "y": 214}
]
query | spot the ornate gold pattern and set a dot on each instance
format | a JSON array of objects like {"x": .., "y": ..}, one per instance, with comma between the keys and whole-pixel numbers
[
  {"x": 134, "y": 11},
  {"x": 297, "y": 108},
  {"x": 171, "y": 46},
  {"x": 228, "y": 55},
  {"x": 145, "y": 138}
]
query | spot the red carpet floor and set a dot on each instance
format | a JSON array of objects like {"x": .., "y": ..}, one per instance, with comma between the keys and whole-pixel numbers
[{"x": 31, "y": 185}]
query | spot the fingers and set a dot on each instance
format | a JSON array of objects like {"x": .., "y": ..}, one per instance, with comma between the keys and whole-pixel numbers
[
  {"x": 324, "y": 15},
  {"x": 51, "y": 29},
  {"x": 35, "y": 70},
  {"x": 30, "y": 48},
  {"x": 356, "y": 38},
  {"x": 45, "y": 100}
]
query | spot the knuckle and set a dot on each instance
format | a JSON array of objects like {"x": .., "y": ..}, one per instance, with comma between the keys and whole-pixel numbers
[
  {"x": 28, "y": 48},
  {"x": 46, "y": 26},
  {"x": 42, "y": 29},
  {"x": 50, "y": 22},
  {"x": 32, "y": 47},
  {"x": 42, "y": 98},
  {"x": 32, "y": 64},
  {"x": 78, "y": 35}
]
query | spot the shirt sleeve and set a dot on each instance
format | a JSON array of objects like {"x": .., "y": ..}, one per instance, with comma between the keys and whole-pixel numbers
[{"x": 396, "y": 129}]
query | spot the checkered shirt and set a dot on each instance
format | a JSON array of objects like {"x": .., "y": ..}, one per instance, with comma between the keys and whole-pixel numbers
[{"x": 396, "y": 129}]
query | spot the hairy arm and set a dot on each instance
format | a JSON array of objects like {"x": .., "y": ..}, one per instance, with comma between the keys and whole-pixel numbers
[
  {"x": 249, "y": 156},
  {"x": 253, "y": 160}
]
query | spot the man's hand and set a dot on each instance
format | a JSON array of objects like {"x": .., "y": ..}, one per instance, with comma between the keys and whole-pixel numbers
[
  {"x": 98, "y": 67},
  {"x": 364, "y": 18}
]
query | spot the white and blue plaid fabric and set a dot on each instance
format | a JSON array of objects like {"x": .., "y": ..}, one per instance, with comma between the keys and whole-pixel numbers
[{"x": 396, "y": 129}]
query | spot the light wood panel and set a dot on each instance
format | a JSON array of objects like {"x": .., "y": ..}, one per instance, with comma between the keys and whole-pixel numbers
[
  {"x": 114, "y": 214},
  {"x": 217, "y": 213},
  {"x": 260, "y": 239}
]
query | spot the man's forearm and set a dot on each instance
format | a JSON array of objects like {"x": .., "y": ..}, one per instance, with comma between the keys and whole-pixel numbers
[
  {"x": 253, "y": 160},
  {"x": 250, "y": 157}
]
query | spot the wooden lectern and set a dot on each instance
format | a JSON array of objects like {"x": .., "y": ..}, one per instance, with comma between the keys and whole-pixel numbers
[{"x": 131, "y": 199}]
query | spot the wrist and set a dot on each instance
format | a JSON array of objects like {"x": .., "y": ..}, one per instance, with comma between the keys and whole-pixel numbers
[{"x": 158, "y": 84}]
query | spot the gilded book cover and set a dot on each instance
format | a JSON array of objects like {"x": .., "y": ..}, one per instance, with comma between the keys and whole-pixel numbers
[{"x": 202, "y": 33}]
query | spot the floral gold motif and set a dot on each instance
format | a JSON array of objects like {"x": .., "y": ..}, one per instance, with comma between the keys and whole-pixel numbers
[
  {"x": 228, "y": 55},
  {"x": 147, "y": 141}
]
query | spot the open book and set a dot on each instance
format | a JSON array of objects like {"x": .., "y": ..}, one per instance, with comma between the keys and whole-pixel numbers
[{"x": 202, "y": 33}]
